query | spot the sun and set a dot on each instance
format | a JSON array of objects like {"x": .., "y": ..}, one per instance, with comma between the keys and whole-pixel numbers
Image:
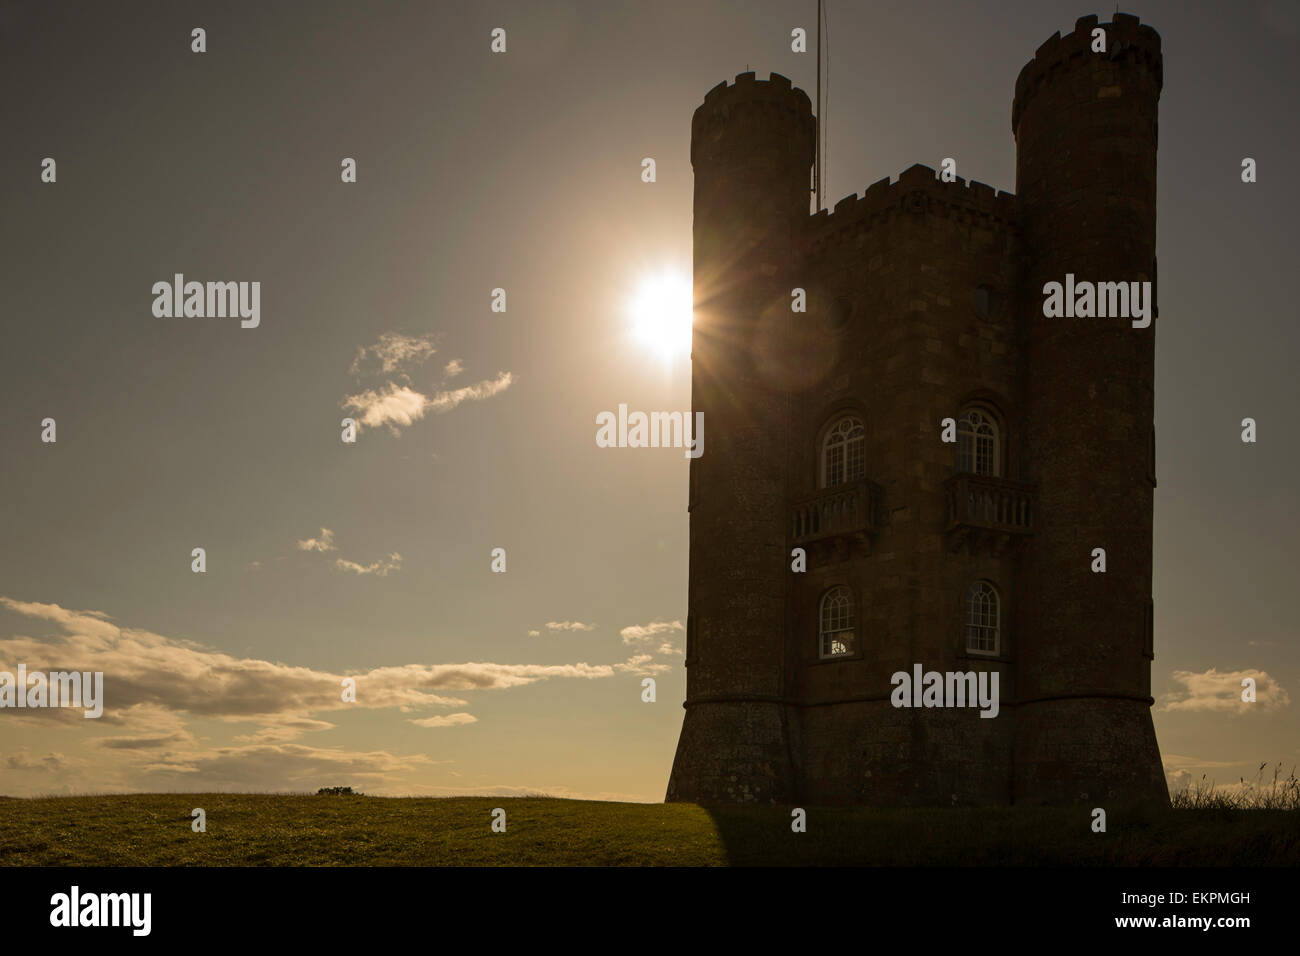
[{"x": 660, "y": 313}]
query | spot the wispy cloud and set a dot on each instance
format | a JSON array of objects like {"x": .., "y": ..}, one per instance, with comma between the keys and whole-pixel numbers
[
  {"x": 282, "y": 766},
  {"x": 452, "y": 369},
  {"x": 381, "y": 568},
  {"x": 22, "y": 760},
  {"x": 640, "y": 634},
  {"x": 1180, "y": 762},
  {"x": 400, "y": 406},
  {"x": 393, "y": 352},
  {"x": 284, "y": 730},
  {"x": 446, "y": 720},
  {"x": 642, "y": 665},
  {"x": 394, "y": 405},
  {"x": 165, "y": 677},
  {"x": 324, "y": 543},
  {"x": 1220, "y": 692},
  {"x": 569, "y": 626},
  {"x": 447, "y": 400}
]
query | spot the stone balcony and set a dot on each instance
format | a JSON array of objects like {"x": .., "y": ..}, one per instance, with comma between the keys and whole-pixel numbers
[
  {"x": 842, "y": 519},
  {"x": 985, "y": 512}
]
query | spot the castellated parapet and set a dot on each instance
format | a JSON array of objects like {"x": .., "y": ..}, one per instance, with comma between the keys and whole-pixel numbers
[{"x": 924, "y": 303}]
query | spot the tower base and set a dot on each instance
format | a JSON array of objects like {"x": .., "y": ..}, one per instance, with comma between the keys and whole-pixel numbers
[
  {"x": 1071, "y": 751},
  {"x": 733, "y": 751}
]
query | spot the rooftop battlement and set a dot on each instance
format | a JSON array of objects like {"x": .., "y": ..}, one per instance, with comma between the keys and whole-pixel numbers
[
  {"x": 1126, "y": 38},
  {"x": 775, "y": 100},
  {"x": 748, "y": 87},
  {"x": 918, "y": 190}
]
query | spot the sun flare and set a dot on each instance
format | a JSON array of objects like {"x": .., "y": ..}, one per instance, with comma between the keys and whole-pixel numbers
[{"x": 660, "y": 313}]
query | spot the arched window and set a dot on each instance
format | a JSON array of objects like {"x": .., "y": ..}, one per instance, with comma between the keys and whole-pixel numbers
[
  {"x": 982, "y": 619},
  {"x": 837, "y": 622},
  {"x": 844, "y": 452},
  {"x": 977, "y": 443}
]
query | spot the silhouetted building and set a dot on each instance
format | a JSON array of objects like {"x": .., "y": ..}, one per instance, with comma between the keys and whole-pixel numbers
[{"x": 924, "y": 303}]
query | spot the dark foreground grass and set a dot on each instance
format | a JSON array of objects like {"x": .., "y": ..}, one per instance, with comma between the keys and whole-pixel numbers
[{"x": 303, "y": 830}]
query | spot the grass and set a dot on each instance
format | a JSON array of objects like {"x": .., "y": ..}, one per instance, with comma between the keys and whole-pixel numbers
[
  {"x": 317, "y": 830},
  {"x": 1262, "y": 793}
]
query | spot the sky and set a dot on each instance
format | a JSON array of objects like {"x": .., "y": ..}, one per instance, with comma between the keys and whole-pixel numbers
[{"x": 519, "y": 171}]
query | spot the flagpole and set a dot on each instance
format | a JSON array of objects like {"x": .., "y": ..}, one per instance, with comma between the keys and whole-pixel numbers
[{"x": 817, "y": 151}]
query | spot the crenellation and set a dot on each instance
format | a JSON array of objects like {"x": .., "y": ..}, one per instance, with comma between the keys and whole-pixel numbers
[
  {"x": 1129, "y": 42},
  {"x": 845, "y": 204},
  {"x": 972, "y": 204}
]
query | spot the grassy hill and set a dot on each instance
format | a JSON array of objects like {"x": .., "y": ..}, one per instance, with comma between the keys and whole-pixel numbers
[{"x": 306, "y": 830}]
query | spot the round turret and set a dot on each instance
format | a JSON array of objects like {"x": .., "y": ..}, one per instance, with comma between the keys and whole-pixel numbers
[
  {"x": 752, "y": 150},
  {"x": 1085, "y": 127}
]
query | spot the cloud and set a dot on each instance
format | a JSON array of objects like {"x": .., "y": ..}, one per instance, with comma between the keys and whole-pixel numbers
[
  {"x": 140, "y": 743},
  {"x": 324, "y": 543},
  {"x": 400, "y": 406},
  {"x": 22, "y": 760},
  {"x": 1182, "y": 772},
  {"x": 484, "y": 676},
  {"x": 1217, "y": 692},
  {"x": 284, "y": 730},
  {"x": 645, "y": 633},
  {"x": 93, "y": 624},
  {"x": 569, "y": 626},
  {"x": 446, "y": 720},
  {"x": 391, "y": 353},
  {"x": 164, "y": 677},
  {"x": 452, "y": 368},
  {"x": 156, "y": 688},
  {"x": 381, "y": 568},
  {"x": 446, "y": 401},
  {"x": 1178, "y": 781},
  {"x": 534, "y": 633},
  {"x": 1179, "y": 762},
  {"x": 276, "y": 767},
  {"x": 668, "y": 648},
  {"x": 640, "y": 664},
  {"x": 393, "y": 406}
]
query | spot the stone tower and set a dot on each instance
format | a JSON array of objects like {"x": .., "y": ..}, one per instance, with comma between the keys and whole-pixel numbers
[
  {"x": 924, "y": 304},
  {"x": 752, "y": 149}
]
